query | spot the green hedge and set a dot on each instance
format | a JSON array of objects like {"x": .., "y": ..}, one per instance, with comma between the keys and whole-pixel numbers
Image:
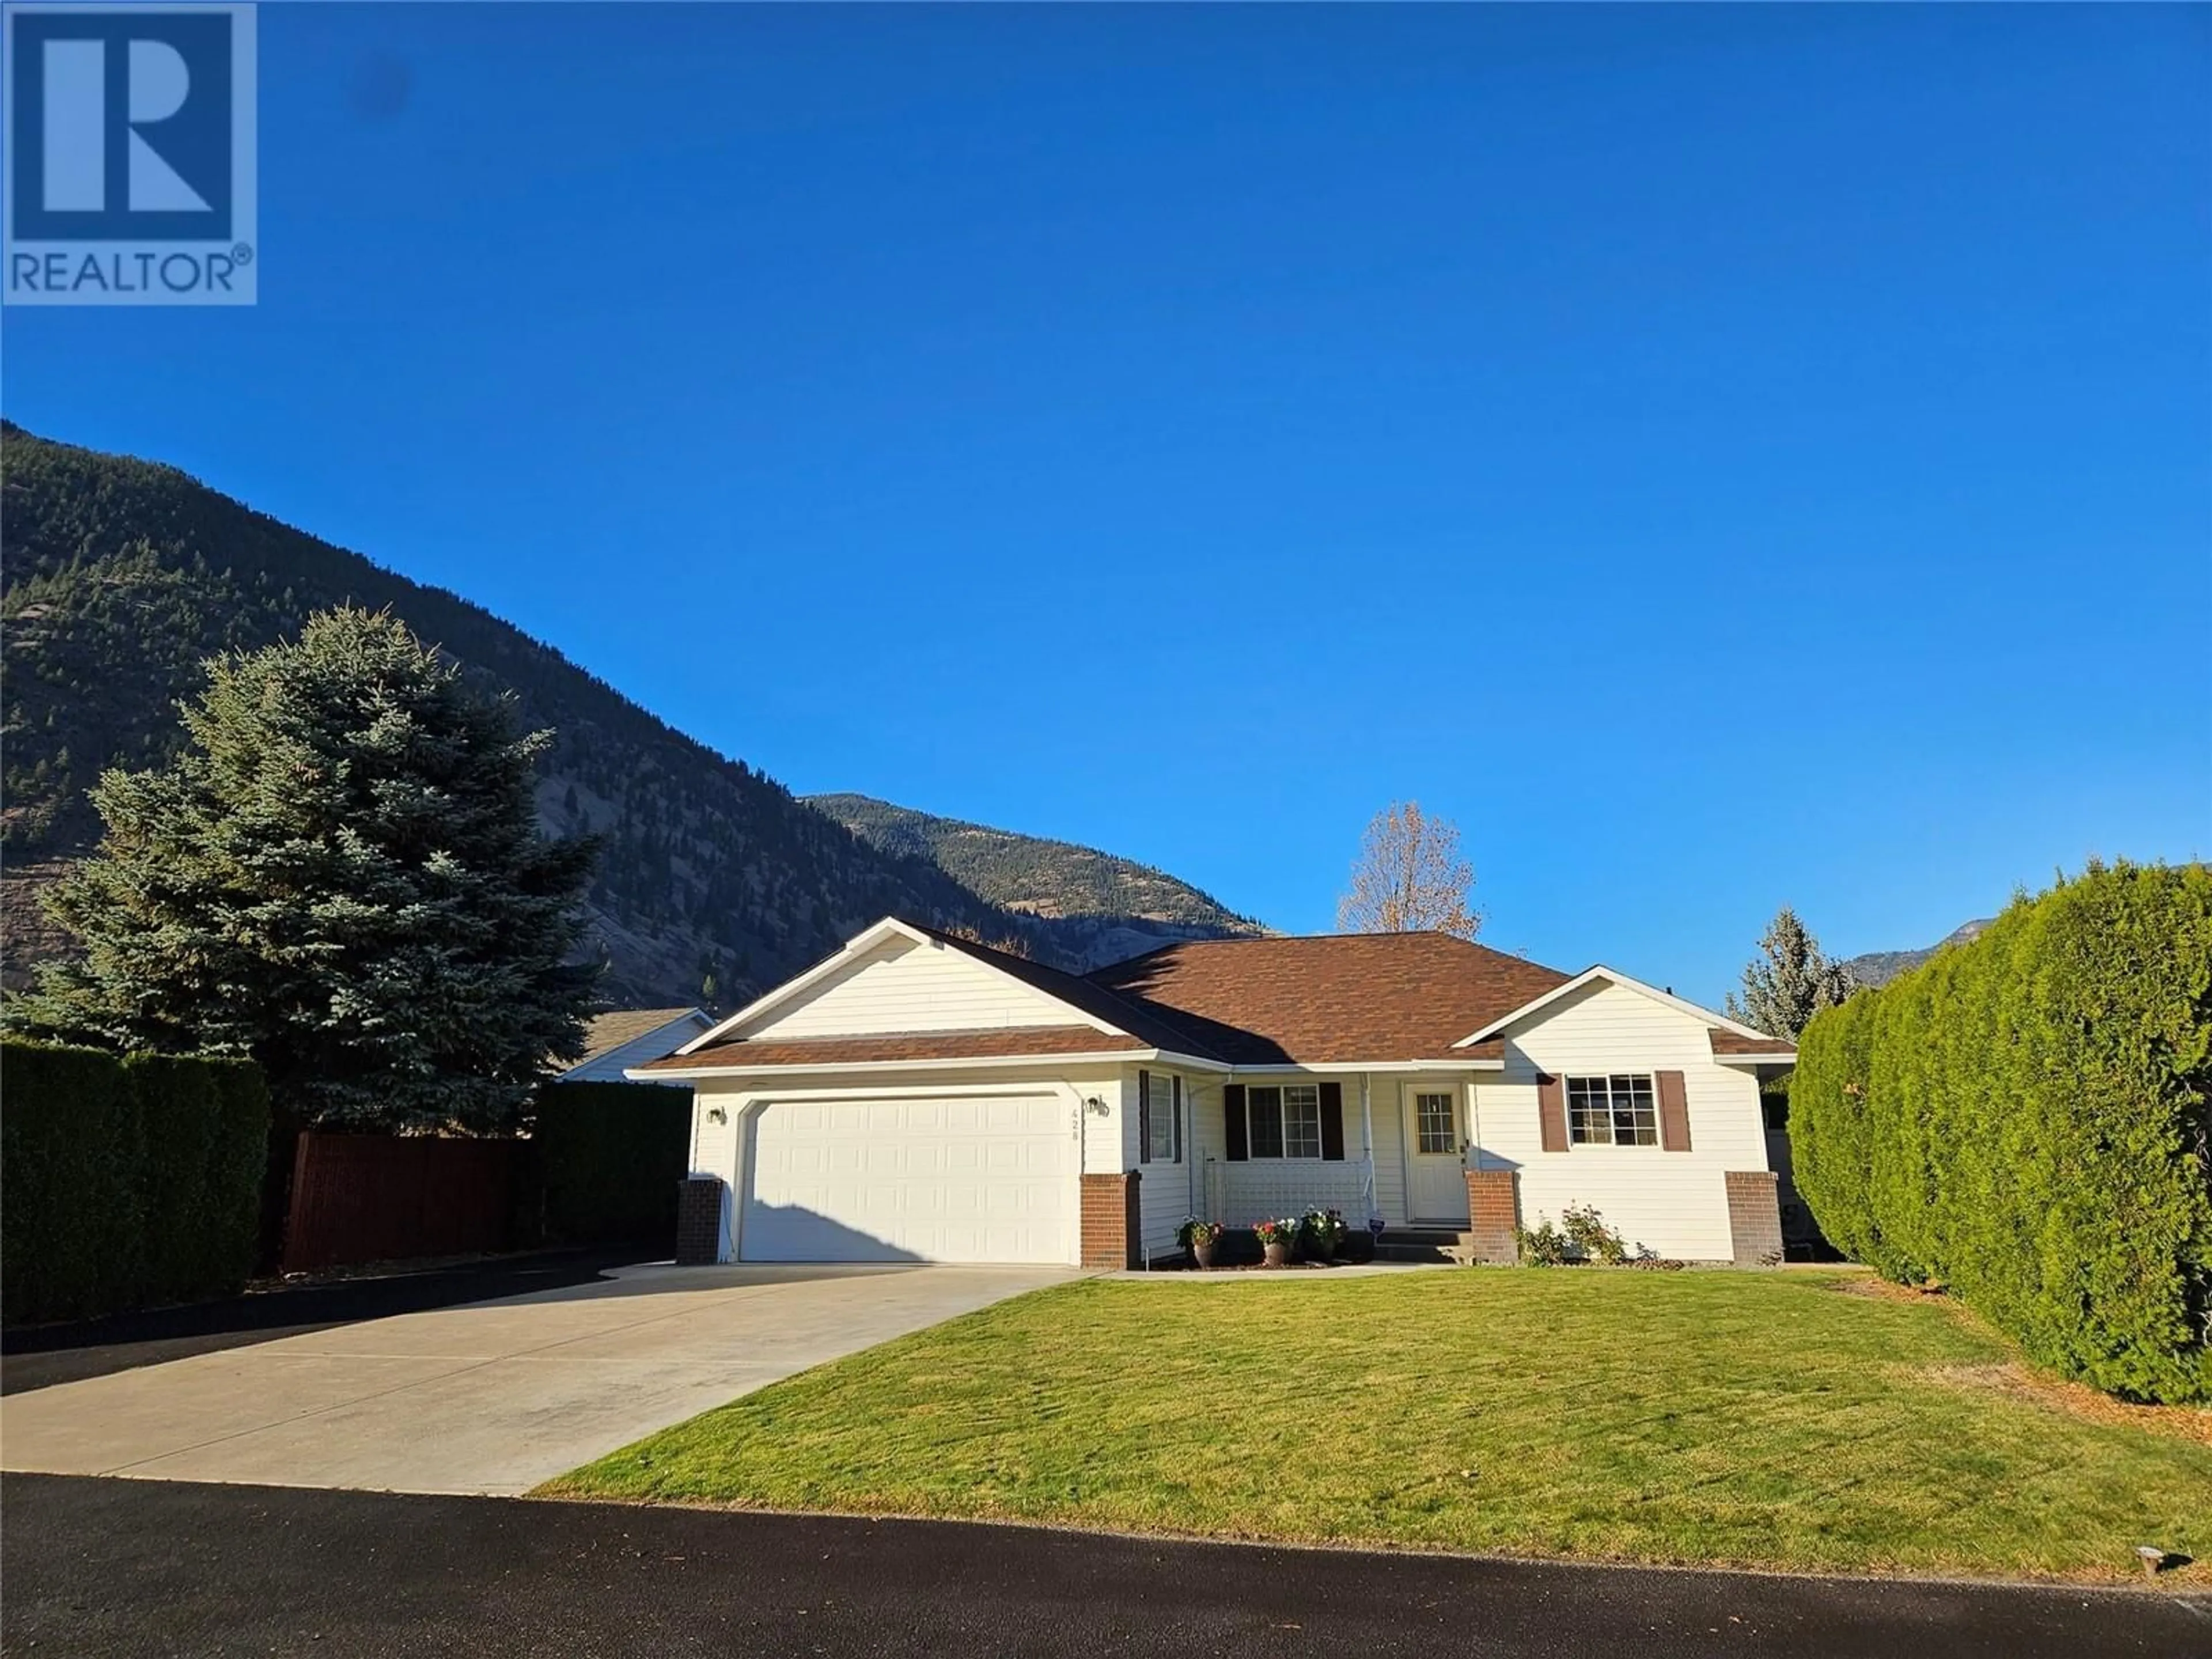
[
  {"x": 125, "y": 1182},
  {"x": 611, "y": 1154},
  {"x": 2028, "y": 1119}
]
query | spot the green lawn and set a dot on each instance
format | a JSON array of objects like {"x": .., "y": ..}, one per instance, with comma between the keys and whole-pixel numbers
[{"x": 1765, "y": 1420}]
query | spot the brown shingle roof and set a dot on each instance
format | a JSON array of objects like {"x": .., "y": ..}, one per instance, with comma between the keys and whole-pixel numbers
[
  {"x": 1333, "y": 997},
  {"x": 999, "y": 1042},
  {"x": 604, "y": 1033},
  {"x": 1327, "y": 1000},
  {"x": 1730, "y": 1042}
]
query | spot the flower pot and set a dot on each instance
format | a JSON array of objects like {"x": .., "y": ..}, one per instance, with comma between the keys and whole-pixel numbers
[
  {"x": 1202, "y": 1254},
  {"x": 1279, "y": 1256}
]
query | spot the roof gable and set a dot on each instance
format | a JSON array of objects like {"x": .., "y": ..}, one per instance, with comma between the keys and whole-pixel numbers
[
  {"x": 896, "y": 976},
  {"x": 1536, "y": 1006}
]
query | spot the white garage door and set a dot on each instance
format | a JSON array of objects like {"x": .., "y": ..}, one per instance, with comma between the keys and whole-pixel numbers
[{"x": 963, "y": 1178}]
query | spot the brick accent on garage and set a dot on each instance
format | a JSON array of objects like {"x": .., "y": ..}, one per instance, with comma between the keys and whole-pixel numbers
[
  {"x": 1493, "y": 1209},
  {"x": 1754, "y": 1217},
  {"x": 1112, "y": 1228},
  {"x": 698, "y": 1221}
]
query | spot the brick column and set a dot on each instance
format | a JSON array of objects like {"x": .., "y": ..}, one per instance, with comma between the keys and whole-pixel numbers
[
  {"x": 698, "y": 1221},
  {"x": 1755, "y": 1217},
  {"x": 1113, "y": 1231},
  {"x": 1493, "y": 1209}
]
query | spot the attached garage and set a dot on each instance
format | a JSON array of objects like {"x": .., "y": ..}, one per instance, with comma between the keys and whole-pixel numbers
[{"x": 980, "y": 1177}]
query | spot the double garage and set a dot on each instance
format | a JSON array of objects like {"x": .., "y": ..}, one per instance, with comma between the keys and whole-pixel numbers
[{"x": 980, "y": 1177}]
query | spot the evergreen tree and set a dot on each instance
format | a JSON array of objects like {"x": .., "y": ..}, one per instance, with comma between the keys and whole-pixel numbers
[
  {"x": 341, "y": 876},
  {"x": 1789, "y": 981}
]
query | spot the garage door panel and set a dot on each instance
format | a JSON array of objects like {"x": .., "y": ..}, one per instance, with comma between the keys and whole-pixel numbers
[{"x": 952, "y": 1178}]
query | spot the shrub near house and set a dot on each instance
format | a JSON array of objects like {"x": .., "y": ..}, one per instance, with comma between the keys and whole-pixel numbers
[{"x": 2026, "y": 1119}]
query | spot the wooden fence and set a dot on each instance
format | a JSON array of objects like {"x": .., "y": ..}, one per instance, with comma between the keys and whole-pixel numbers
[{"x": 386, "y": 1198}]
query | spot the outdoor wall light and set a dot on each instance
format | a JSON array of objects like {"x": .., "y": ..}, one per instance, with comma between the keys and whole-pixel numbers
[
  {"x": 718, "y": 1115},
  {"x": 1095, "y": 1104}
]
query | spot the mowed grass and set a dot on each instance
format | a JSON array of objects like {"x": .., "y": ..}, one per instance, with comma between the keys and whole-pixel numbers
[{"x": 1752, "y": 1419}]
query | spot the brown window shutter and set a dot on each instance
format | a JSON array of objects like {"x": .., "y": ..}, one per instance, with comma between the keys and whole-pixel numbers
[
  {"x": 1178, "y": 1086},
  {"x": 1552, "y": 1112},
  {"x": 1233, "y": 1122},
  {"x": 1673, "y": 1113},
  {"x": 1332, "y": 1122},
  {"x": 1144, "y": 1118}
]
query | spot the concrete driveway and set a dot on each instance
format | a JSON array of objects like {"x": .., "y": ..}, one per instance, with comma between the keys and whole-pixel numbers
[{"x": 492, "y": 1397}]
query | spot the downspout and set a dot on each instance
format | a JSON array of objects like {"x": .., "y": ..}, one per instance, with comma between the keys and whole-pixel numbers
[
  {"x": 1475, "y": 1120},
  {"x": 1367, "y": 1138},
  {"x": 1190, "y": 1151}
]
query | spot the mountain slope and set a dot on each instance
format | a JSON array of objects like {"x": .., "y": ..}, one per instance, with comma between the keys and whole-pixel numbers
[
  {"x": 1096, "y": 906},
  {"x": 1879, "y": 967},
  {"x": 120, "y": 575}
]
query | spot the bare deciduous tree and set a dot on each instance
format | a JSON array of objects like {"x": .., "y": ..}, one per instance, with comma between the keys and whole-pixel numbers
[{"x": 1409, "y": 878}]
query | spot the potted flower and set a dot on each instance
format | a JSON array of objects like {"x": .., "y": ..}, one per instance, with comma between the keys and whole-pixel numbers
[
  {"x": 1200, "y": 1238},
  {"x": 1275, "y": 1240},
  {"x": 1322, "y": 1232}
]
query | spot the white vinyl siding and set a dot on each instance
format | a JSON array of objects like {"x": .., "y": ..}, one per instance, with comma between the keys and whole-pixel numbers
[
  {"x": 902, "y": 986},
  {"x": 1675, "y": 1203},
  {"x": 1166, "y": 1191}
]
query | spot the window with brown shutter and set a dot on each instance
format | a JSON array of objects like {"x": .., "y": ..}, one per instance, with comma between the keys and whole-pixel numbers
[
  {"x": 1233, "y": 1122},
  {"x": 1620, "y": 1109},
  {"x": 1552, "y": 1112},
  {"x": 1673, "y": 1113}
]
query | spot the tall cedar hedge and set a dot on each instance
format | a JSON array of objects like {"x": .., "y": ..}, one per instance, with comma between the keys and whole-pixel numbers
[
  {"x": 2029, "y": 1118},
  {"x": 125, "y": 1182},
  {"x": 611, "y": 1156}
]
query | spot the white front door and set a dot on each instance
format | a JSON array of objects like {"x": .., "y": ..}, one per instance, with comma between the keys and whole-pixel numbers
[
  {"x": 957, "y": 1178},
  {"x": 1436, "y": 1170}
]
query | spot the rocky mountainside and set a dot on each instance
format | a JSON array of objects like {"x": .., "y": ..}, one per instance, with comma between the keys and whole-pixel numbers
[
  {"x": 1879, "y": 967},
  {"x": 118, "y": 576},
  {"x": 1096, "y": 907}
]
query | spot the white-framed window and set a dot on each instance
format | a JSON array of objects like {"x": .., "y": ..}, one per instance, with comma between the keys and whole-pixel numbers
[
  {"x": 1284, "y": 1120},
  {"x": 1435, "y": 1128},
  {"x": 1618, "y": 1110},
  {"x": 1162, "y": 1101}
]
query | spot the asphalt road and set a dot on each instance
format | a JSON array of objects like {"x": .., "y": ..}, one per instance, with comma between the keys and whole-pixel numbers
[{"x": 93, "y": 1567}]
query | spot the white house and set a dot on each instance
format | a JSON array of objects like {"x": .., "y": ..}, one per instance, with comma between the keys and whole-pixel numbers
[
  {"x": 920, "y": 1097},
  {"x": 624, "y": 1037}
]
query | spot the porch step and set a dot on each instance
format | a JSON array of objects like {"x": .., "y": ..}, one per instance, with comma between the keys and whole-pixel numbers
[{"x": 1423, "y": 1245}]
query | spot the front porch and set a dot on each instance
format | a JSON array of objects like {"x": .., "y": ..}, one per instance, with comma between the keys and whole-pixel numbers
[{"x": 1376, "y": 1146}]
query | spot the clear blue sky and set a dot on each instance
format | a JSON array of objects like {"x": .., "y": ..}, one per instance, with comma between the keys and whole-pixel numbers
[{"x": 1722, "y": 458}]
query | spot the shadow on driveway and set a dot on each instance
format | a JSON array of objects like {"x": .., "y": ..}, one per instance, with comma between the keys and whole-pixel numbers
[{"x": 37, "y": 1357}]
